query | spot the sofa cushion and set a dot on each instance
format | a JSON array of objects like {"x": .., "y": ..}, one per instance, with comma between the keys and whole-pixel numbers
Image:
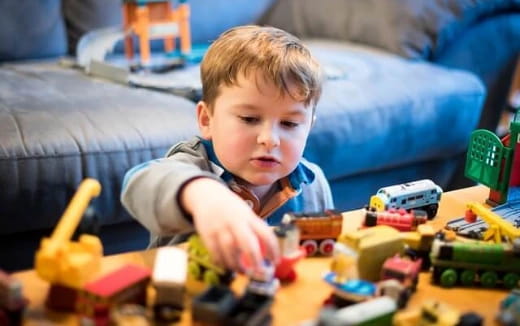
[
  {"x": 410, "y": 28},
  {"x": 58, "y": 126},
  {"x": 380, "y": 111},
  {"x": 31, "y": 29}
]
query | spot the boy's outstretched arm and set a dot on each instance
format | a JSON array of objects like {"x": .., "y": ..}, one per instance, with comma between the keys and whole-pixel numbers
[{"x": 227, "y": 225}]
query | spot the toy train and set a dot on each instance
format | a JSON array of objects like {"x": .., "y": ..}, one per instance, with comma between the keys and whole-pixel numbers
[
  {"x": 421, "y": 194},
  {"x": 399, "y": 219},
  {"x": 466, "y": 262},
  {"x": 125, "y": 285},
  {"x": 169, "y": 280},
  {"x": 318, "y": 231}
]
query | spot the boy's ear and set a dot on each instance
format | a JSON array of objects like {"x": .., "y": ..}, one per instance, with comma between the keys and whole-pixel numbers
[{"x": 204, "y": 120}]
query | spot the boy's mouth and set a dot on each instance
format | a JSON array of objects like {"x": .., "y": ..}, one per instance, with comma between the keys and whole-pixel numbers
[
  {"x": 265, "y": 162},
  {"x": 266, "y": 159}
]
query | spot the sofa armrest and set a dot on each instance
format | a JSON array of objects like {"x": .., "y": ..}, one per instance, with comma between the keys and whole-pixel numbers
[{"x": 410, "y": 28}]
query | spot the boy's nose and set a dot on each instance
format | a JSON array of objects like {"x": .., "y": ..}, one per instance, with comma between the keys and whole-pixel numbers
[{"x": 269, "y": 137}]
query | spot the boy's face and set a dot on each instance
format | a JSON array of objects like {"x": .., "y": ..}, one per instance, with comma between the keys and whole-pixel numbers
[{"x": 258, "y": 135}]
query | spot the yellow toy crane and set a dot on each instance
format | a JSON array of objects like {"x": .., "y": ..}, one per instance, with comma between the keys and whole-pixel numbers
[
  {"x": 497, "y": 226},
  {"x": 62, "y": 261}
]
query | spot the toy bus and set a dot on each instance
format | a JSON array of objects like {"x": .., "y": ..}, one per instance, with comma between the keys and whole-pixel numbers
[
  {"x": 466, "y": 262},
  {"x": 169, "y": 281},
  {"x": 125, "y": 285},
  {"x": 421, "y": 194},
  {"x": 318, "y": 231},
  {"x": 399, "y": 219}
]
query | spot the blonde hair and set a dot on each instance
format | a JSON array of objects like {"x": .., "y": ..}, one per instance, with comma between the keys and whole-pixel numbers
[{"x": 278, "y": 55}]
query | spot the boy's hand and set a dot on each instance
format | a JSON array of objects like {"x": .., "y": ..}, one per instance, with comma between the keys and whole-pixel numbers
[{"x": 227, "y": 225}]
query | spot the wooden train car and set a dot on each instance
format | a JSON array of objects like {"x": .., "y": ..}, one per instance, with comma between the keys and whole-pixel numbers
[
  {"x": 318, "y": 231},
  {"x": 465, "y": 263},
  {"x": 12, "y": 302},
  {"x": 169, "y": 281},
  {"x": 399, "y": 219},
  {"x": 125, "y": 285}
]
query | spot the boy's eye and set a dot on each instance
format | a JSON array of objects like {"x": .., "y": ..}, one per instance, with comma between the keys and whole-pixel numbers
[
  {"x": 290, "y": 124},
  {"x": 249, "y": 120}
]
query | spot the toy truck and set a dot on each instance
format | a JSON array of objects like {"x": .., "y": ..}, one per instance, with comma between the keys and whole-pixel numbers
[{"x": 318, "y": 231}]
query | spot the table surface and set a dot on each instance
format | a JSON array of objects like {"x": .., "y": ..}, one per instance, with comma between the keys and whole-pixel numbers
[{"x": 302, "y": 299}]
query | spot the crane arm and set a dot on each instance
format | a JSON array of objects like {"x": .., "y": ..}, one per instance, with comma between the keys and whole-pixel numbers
[{"x": 497, "y": 225}]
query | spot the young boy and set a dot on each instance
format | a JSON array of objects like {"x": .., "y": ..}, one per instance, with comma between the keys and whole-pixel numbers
[{"x": 260, "y": 89}]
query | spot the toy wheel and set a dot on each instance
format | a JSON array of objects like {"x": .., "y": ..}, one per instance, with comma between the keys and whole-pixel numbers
[
  {"x": 326, "y": 247},
  {"x": 310, "y": 247},
  {"x": 488, "y": 279},
  {"x": 467, "y": 277},
  {"x": 194, "y": 270},
  {"x": 166, "y": 313},
  {"x": 449, "y": 277},
  {"x": 431, "y": 211},
  {"x": 211, "y": 277},
  {"x": 511, "y": 280}
]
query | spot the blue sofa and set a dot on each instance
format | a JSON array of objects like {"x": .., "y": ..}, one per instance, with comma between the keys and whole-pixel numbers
[{"x": 406, "y": 83}]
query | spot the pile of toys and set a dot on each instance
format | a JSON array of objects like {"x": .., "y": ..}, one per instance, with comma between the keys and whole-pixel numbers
[{"x": 373, "y": 272}]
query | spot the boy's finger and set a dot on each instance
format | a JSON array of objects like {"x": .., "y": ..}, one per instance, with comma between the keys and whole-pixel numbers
[
  {"x": 248, "y": 244},
  {"x": 227, "y": 248},
  {"x": 214, "y": 251},
  {"x": 267, "y": 240}
]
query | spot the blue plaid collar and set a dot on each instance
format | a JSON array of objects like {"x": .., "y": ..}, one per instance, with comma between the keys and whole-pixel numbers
[{"x": 301, "y": 175}]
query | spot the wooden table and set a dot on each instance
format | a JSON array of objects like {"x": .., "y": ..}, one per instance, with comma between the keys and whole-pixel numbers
[{"x": 302, "y": 299}]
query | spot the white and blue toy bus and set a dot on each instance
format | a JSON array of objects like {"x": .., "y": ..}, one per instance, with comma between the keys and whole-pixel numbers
[{"x": 422, "y": 194}]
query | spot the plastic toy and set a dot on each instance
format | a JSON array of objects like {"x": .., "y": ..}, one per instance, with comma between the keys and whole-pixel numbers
[
  {"x": 263, "y": 281},
  {"x": 12, "y": 302},
  {"x": 201, "y": 267},
  {"x": 435, "y": 313},
  {"x": 400, "y": 219},
  {"x": 402, "y": 269},
  {"x": 125, "y": 285},
  {"x": 378, "y": 311},
  {"x": 169, "y": 281},
  {"x": 318, "y": 231},
  {"x": 509, "y": 314},
  {"x": 149, "y": 19},
  {"x": 65, "y": 262},
  {"x": 498, "y": 229},
  {"x": 212, "y": 306},
  {"x": 422, "y": 194},
  {"x": 495, "y": 162},
  {"x": 373, "y": 246},
  {"x": 218, "y": 306},
  {"x": 349, "y": 292},
  {"x": 419, "y": 243},
  {"x": 466, "y": 262},
  {"x": 288, "y": 236},
  {"x": 344, "y": 264}
]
